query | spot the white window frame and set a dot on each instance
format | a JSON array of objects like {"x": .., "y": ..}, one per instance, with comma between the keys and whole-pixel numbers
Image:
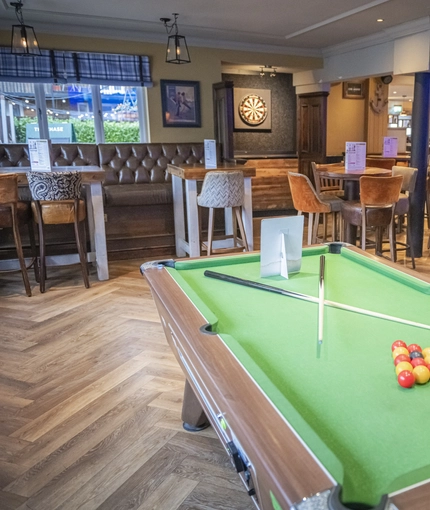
[{"x": 142, "y": 108}]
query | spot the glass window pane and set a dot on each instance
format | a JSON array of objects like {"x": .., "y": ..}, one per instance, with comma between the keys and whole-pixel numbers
[
  {"x": 18, "y": 113},
  {"x": 70, "y": 113},
  {"x": 120, "y": 115}
]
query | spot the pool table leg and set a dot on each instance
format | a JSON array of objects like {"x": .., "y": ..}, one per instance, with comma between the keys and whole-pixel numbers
[{"x": 193, "y": 415}]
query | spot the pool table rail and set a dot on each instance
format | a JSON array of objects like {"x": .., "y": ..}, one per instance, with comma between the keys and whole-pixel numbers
[{"x": 225, "y": 389}]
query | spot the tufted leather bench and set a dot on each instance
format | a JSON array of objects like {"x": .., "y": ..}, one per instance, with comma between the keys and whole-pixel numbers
[
  {"x": 64, "y": 154},
  {"x": 136, "y": 174},
  {"x": 137, "y": 190}
]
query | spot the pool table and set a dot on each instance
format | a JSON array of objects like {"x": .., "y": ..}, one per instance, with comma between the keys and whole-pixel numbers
[{"x": 308, "y": 425}]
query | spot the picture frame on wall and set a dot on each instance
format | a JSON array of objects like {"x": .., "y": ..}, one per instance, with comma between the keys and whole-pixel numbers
[
  {"x": 180, "y": 103},
  {"x": 353, "y": 90}
]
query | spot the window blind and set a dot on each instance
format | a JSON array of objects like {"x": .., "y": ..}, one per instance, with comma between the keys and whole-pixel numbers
[{"x": 55, "y": 66}]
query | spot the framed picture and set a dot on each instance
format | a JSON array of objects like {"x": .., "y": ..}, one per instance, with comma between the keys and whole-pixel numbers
[
  {"x": 353, "y": 90},
  {"x": 180, "y": 102}
]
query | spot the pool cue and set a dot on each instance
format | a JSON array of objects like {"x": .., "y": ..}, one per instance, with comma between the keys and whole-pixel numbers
[
  {"x": 305, "y": 297},
  {"x": 321, "y": 300}
]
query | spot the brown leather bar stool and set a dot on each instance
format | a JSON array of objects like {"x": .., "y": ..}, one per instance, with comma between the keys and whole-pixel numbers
[
  {"x": 14, "y": 213},
  {"x": 378, "y": 198},
  {"x": 306, "y": 200},
  {"x": 223, "y": 190},
  {"x": 387, "y": 163},
  {"x": 56, "y": 201},
  {"x": 402, "y": 207}
]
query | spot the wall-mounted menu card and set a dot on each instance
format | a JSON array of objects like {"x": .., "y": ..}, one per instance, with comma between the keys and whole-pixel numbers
[
  {"x": 389, "y": 149},
  {"x": 40, "y": 156},
  {"x": 210, "y": 153},
  {"x": 355, "y": 156}
]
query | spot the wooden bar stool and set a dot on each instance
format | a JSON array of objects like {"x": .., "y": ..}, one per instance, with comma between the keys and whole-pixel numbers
[
  {"x": 223, "y": 190},
  {"x": 56, "y": 201},
  {"x": 327, "y": 186},
  {"x": 14, "y": 213}
]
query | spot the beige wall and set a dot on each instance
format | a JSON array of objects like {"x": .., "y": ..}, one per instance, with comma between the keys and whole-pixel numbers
[
  {"x": 205, "y": 68},
  {"x": 345, "y": 120}
]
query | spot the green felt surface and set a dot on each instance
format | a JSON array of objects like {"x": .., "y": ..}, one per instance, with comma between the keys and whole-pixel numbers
[{"x": 343, "y": 399}]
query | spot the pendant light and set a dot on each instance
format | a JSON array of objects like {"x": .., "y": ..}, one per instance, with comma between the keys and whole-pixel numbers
[
  {"x": 177, "y": 49},
  {"x": 24, "y": 40}
]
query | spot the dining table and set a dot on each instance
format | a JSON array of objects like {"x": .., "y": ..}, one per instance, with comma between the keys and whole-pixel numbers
[
  {"x": 187, "y": 231},
  {"x": 351, "y": 186},
  {"x": 92, "y": 178}
]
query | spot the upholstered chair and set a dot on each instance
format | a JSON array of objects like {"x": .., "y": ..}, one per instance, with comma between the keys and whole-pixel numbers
[
  {"x": 223, "y": 190},
  {"x": 387, "y": 163},
  {"x": 402, "y": 207},
  {"x": 306, "y": 200},
  {"x": 378, "y": 198},
  {"x": 56, "y": 201}
]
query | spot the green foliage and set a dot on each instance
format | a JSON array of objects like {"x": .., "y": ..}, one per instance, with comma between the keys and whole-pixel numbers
[
  {"x": 20, "y": 123},
  {"x": 121, "y": 131},
  {"x": 115, "y": 132},
  {"x": 84, "y": 130}
]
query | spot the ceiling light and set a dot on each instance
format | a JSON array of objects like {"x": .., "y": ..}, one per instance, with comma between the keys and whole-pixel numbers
[
  {"x": 380, "y": 20},
  {"x": 262, "y": 73},
  {"x": 24, "y": 40},
  {"x": 273, "y": 73},
  {"x": 177, "y": 49}
]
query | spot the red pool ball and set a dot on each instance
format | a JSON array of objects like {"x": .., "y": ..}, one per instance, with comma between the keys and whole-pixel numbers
[
  {"x": 398, "y": 343},
  {"x": 400, "y": 358},
  {"x": 417, "y": 361},
  {"x": 406, "y": 379},
  {"x": 414, "y": 347}
]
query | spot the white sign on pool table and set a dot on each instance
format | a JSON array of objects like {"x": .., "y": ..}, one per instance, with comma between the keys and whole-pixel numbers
[{"x": 281, "y": 246}]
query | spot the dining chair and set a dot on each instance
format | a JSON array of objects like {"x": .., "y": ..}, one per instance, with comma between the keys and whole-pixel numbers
[
  {"x": 306, "y": 200},
  {"x": 221, "y": 190},
  {"x": 402, "y": 207},
  {"x": 56, "y": 201},
  {"x": 13, "y": 214},
  {"x": 387, "y": 163},
  {"x": 378, "y": 197},
  {"x": 327, "y": 186}
]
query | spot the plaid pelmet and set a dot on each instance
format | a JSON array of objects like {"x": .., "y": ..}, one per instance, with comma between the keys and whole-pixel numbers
[
  {"x": 18, "y": 68},
  {"x": 71, "y": 67}
]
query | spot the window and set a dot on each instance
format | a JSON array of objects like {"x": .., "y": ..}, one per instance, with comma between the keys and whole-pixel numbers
[
  {"x": 111, "y": 106},
  {"x": 18, "y": 112},
  {"x": 120, "y": 114},
  {"x": 69, "y": 108}
]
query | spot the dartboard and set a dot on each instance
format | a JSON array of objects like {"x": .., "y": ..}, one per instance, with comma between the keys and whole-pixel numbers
[{"x": 253, "y": 110}]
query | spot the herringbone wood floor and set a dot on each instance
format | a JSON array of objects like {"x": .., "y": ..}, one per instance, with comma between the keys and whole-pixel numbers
[{"x": 90, "y": 398}]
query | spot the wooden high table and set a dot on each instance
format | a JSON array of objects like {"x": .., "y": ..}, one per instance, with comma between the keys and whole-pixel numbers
[
  {"x": 351, "y": 180},
  {"x": 187, "y": 176},
  {"x": 92, "y": 178}
]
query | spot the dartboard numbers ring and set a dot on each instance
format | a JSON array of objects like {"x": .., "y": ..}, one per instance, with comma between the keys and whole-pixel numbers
[{"x": 253, "y": 110}]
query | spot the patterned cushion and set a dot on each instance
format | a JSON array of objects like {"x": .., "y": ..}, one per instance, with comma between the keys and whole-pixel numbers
[
  {"x": 222, "y": 189},
  {"x": 54, "y": 185}
]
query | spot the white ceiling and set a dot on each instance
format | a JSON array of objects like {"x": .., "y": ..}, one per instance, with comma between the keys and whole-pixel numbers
[{"x": 305, "y": 27}]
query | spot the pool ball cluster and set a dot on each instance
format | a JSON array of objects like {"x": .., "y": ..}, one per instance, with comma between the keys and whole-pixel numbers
[{"x": 412, "y": 363}]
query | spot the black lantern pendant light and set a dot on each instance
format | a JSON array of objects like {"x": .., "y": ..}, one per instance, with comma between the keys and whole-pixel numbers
[
  {"x": 177, "y": 49},
  {"x": 24, "y": 40}
]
